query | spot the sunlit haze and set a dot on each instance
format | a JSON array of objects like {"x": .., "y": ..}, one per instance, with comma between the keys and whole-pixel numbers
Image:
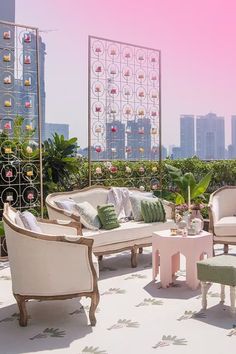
[{"x": 197, "y": 40}]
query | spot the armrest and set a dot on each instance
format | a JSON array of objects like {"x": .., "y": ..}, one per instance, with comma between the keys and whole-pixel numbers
[{"x": 57, "y": 227}]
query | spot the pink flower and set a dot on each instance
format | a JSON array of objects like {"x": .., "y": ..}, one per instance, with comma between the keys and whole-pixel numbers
[{"x": 113, "y": 169}]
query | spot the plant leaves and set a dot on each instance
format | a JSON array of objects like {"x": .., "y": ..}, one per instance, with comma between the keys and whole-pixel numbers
[{"x": 202, "y": 185}]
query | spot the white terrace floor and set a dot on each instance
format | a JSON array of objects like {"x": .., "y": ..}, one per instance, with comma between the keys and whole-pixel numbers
[{"x": 134, "y": 316}]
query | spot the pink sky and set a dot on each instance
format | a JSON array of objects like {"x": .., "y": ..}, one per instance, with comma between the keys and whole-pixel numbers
[{"x": 197, "y": 40}]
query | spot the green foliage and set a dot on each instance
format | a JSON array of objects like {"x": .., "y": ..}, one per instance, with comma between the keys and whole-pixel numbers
[
  {"x": 59, "y": 161},
  {"x": 183, "y": 180},
  {"x": 2, "y": 232},
  {"x": 222, "y": 173}
]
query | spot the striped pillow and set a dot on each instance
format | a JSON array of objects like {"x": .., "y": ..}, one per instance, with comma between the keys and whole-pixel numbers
[{"x": 153, "y": 211}]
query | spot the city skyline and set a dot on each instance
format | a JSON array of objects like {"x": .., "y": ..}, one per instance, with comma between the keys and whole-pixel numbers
[{"x": 190, "y": 80}]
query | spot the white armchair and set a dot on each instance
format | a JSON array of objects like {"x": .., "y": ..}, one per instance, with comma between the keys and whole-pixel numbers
[
  {"x": 222, "y": 212},
  {"x": 54, "y": 265}
]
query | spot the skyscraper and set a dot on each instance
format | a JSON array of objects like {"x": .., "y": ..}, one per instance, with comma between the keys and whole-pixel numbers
[
  {"x": 7, "y": 13},
  {"x": 210, "y": 137},
  {"x": 7, "y": 10},
  {"x": 233, "y": 135},
  {"x": 28, "y": 73},
  {"x": 115, "y": 140},
  {"x": 60, "y": 129},
  {"x": 139, "y": 139},
  {"x": 187, "y": 141},
  {"x": 9, "y": 85}
]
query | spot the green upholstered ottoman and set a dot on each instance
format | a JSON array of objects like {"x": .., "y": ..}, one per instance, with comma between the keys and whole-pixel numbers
[{"x": 219, "y": 269}]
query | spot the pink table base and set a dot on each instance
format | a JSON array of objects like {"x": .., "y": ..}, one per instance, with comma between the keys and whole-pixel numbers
[{"x": 166, "y": 250}]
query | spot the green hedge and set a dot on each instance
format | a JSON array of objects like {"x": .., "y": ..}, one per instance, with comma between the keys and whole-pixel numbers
[{"x": 142, "y": 173}]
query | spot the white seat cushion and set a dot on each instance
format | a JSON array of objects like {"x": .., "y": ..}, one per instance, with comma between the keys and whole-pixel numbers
[
  {"x": 128, "y": 231},
  {"x": 226, "y": 226}
]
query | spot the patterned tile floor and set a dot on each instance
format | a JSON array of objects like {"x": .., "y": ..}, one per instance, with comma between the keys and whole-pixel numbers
[{"x": 135, "y": 316}]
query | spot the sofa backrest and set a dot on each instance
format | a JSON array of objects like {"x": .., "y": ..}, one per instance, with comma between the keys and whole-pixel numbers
[{"x": 95, "y": 196}]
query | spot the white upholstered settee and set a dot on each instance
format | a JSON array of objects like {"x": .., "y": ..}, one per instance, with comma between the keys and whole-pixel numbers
[
  {"x": 53, "y": 265},
  {"x": 131, "y": 235},
  {"x": 222, "y": 213}
]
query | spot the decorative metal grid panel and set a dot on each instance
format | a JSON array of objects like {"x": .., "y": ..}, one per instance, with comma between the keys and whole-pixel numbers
[
  {"x": 124, "y": 101},
  {"x": 20, "y": 135}
]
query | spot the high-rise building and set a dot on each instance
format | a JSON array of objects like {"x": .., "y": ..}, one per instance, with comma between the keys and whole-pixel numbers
[
  {"x": 7, "y": 13},
  {"x": 115, "y": 140},
  {"x": 139, "y": 139},
  {"x": 9, "y": 84},
  {"x": 27, "y": 72},
  {"x": 60, "y": 129},
  {"x": 210, "y": 137},
  {"x": 7, "y": 10},
  {"x": 176, "y": 153},
  {"x": 233, "y": 136},
  {"x": 187, "y": 141}
]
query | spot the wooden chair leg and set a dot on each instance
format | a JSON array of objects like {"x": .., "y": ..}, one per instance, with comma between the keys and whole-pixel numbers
[
  {"x": 134, "y": 257},
  {"x": 23, "y": 312},
  {"x": 94, "y": 303},
  {"x": 226, "y": 248}
]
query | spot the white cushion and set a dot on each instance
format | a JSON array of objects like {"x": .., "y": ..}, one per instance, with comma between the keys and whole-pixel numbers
[
  {"x": 128, "y": 231},
  {"x": 226, "y": 226},
  {"x": 66, "y": 204},
  {"x": 88, "y": 215},
  {"x": 18, "y": 220},
  {"x": 29, "y": 221}
]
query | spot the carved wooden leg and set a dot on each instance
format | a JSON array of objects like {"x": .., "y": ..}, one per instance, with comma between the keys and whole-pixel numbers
[
  {"x": 134, "y": 257},
  {"x": 226, "y": 248},
  {"x": 204, "y": 288},
  {"x": 94, "y": 303},
  {"x": 100, "y": 258},
  {"x": 232, "y": 299},
  {"x": 222, "y": 294},
  {"x": 23, "y": 312},
  {"x": 140, "y": 250}
]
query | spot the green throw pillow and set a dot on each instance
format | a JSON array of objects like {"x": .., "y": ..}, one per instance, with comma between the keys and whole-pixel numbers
[
  {"x": 107, "y": 216},
  {"x": 153, "y": 211}
]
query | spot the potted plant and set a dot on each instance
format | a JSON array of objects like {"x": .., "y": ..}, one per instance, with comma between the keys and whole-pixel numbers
[
  {"x": 3, "y": 246},
  {"x": 189, "y": 192}
]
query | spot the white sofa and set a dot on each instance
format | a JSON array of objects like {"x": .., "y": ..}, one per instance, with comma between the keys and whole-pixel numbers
[
  {"x": 129, "y": 236},
  {"x": 222, "y": 213},
  {"x": 53, "y": 265}
]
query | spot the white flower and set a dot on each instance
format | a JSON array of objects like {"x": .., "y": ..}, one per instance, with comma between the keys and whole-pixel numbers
[
  {"x": 108, "y": 164},
  {"x": 98, "y": 170}
]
